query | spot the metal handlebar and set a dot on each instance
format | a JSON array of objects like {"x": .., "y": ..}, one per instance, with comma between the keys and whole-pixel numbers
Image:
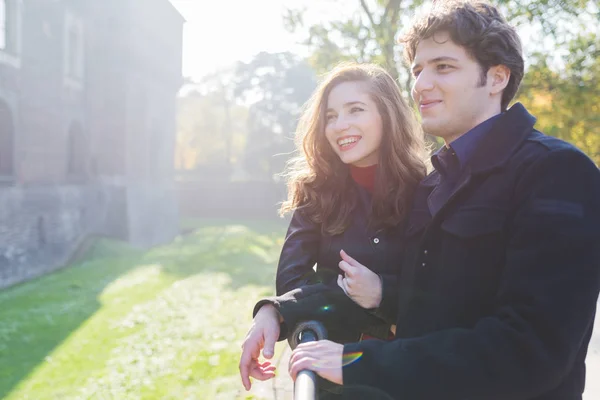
[{"x": 305, "y": 386}]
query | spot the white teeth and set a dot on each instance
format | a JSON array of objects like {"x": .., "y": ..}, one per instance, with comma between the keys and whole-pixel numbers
[{"x": 347, "y": 141}]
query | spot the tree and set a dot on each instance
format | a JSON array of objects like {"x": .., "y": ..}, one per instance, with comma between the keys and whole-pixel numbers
[
  {"x": 276, "y": 85},
  {"x": 567, "y": 102},
  {"x": 211, "y": 126},
  {"x": 370, "y": 34}
]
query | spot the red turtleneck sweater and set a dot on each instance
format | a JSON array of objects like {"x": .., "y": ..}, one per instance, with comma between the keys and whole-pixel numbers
[{"x": 364, "y": 176}]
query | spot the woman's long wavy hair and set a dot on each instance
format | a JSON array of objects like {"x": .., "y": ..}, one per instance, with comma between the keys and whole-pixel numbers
[{"x": 319, "y": 183}]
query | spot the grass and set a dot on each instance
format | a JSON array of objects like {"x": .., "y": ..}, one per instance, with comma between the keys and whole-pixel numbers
[{"x": 128, "y": 324}]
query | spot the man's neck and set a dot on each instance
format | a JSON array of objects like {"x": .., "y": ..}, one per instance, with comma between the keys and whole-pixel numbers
[{"x": 482, "y": 118}]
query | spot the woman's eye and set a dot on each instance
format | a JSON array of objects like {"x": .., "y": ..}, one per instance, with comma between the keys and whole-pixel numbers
[
  {"x": 356, "y": 109},
  {"x": 329, "y": 118}
]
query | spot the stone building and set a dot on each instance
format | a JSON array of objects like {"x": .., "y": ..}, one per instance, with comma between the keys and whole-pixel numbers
[{"x": 87, "y": 127}]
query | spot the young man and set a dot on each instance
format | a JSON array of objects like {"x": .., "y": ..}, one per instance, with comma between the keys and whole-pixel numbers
[{"x": 500, "y": 277}]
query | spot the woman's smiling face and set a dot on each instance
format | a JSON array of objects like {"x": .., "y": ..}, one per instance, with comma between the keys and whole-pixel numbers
[{"x": 353, "y": 124}]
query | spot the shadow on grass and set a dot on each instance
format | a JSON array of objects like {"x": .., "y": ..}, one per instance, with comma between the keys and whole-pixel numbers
[{"x": 36, "y": 317}]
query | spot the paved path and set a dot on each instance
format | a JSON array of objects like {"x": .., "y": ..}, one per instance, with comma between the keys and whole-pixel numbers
[{"x": 281, "y": 387}]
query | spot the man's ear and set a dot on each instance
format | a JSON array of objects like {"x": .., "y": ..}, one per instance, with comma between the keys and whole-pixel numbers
[{"x": 498, "y": 75}]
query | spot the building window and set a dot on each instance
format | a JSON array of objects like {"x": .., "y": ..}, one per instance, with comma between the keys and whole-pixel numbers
[
  {"x": 4, "y": 25},
  {"x": 10, "y": 31},
  {"x": 7, "y": 135},
  {"x": 74, "y": 48}
]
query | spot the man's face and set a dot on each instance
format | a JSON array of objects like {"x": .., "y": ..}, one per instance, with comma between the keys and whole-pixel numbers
[{"x": 448, "y": 88}]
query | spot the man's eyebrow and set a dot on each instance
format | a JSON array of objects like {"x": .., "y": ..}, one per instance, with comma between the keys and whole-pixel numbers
[{"x": 435, "y": 61}]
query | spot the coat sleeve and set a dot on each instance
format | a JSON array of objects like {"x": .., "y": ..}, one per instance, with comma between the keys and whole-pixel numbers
[
  {"x": 299, "y": 253},
  {"x": 545, "y": 303},
  {"x": 326, "y": 303}
]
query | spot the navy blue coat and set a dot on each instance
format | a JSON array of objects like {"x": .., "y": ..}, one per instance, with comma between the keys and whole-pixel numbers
[
  {"x": 497, "y": 291},
  {"x": 305, "y": 247}
]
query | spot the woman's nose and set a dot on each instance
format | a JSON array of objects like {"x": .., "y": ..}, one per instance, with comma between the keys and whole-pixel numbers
[{"x": 341, "y": 123}]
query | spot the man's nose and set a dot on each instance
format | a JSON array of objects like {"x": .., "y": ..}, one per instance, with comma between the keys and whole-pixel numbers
[{"x": 423, "y": 83}]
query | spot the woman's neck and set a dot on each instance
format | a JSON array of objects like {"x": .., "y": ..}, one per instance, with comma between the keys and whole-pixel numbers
[{"x": 364, "y": 176}]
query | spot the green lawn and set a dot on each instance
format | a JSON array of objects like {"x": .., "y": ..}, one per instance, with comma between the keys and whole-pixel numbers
[{"x": 127, "y": 324}]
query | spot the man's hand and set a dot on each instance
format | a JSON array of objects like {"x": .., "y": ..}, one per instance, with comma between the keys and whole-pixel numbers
[
  {"x": 359, "y": 283},
  {"x": 323, "y": 357},
  {"x": 262, "y": 336}
]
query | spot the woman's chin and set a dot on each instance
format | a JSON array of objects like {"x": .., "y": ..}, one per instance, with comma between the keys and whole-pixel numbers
[{"x": 349, "y": 159}]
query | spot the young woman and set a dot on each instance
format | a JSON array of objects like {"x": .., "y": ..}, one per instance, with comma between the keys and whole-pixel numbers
[{"x": 361, "y": 157}]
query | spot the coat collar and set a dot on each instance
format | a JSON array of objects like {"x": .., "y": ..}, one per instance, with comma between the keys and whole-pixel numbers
[
  {"x": 507, "y": 134},
  {"x": 492, "y": 152}
]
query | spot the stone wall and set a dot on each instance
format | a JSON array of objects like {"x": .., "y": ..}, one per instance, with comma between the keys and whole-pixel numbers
[
  {"x": 152, "y": 214},
  {"x": 222, "y": 199},
  {"x": 42, "y": 226}
]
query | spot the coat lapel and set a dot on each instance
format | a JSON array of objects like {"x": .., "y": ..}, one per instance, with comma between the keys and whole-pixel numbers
[
  {"x": 420, "y": 216},
  {"x": 491, "y": 153}
]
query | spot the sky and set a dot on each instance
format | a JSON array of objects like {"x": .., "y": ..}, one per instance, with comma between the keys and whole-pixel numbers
[{"x": 219, "y": 33}]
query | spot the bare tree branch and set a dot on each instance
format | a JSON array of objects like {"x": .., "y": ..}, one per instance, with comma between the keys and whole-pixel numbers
[
  {"x": 365, "y": 7},
  {"x": 396, "y": 12},
  {"x": 394, "y": 7}
]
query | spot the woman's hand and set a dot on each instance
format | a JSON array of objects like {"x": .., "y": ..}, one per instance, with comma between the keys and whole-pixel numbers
[
  {"x": 262, "y": 336},
  {"x": 359, "y": 283}
]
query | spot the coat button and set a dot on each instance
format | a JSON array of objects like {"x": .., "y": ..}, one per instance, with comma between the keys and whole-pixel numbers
[
  {"x": 425, "y": 252},
  {"x": 376, "y": 240},
  {"x": 424, "y": 264}
]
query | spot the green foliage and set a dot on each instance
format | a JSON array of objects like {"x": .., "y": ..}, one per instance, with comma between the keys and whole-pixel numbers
[
  {"x": 211, "y": 126},
  {"x": 244, "y": 116},
  {"x": 369, "y": 35},
  {"x": 567, "y": 102}
]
